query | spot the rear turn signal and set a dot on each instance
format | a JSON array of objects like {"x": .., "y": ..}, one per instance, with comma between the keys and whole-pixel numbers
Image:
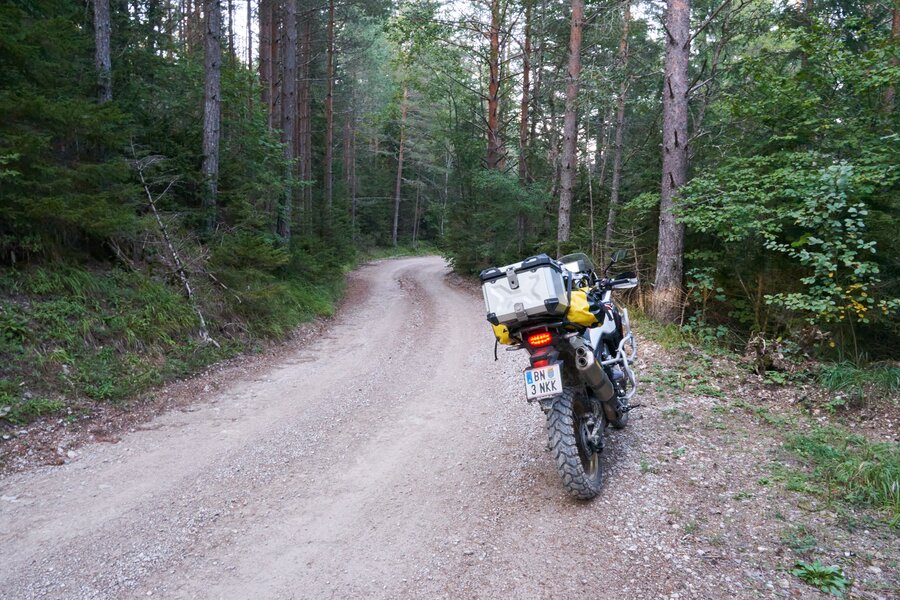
[{"x": 536, "y": 340}]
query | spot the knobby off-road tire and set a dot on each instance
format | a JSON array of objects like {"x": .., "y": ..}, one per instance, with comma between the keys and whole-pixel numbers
[{"x": 578, "y": 467}]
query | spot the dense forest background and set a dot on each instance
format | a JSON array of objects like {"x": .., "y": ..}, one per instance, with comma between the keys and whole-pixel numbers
[{"x": 179, "y": 180}]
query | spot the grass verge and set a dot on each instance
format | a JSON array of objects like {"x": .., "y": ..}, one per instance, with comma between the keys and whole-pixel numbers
[{"x": 104, "y": 333}]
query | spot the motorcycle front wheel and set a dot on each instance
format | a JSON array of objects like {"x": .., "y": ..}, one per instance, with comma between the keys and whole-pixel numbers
[{"x": 570, "y": 423}]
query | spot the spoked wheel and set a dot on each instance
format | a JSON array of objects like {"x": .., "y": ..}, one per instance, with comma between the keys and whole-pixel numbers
[{"x": 574, "y": 429}]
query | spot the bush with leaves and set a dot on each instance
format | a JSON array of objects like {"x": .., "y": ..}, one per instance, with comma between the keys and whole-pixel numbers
[{"x": 811, "y": 210}]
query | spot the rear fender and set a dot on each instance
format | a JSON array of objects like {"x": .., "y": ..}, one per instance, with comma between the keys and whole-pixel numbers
[{"x": 548, "y": 353}]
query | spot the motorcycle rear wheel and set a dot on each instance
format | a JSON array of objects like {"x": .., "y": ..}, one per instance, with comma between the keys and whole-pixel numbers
[{"x": 577, "y": 461}]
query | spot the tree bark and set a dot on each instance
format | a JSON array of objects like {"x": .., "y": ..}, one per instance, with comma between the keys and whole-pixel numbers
[
  {"x": 305, "y": 125},
  {"x": 669, "y": 257},
  {"x": 329, "y": 114},
  {"x": 212, "y": 107},
  {"x": 102, "y": 34},
  {"x": 569, "y": 165},
  {"x": 288, "y": 114},
  {"x": 620, "y": 127},
  {"x": 277, "y": 58},
  {"x": 399, "y": 183},
  {"x": 265, "y": 57},
  {"x": 494, "y": 144}
]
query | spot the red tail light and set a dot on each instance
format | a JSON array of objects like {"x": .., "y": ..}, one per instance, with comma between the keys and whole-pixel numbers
[
  {"x": 540, "y": 363},
  {"x": 537, "y": 340}
]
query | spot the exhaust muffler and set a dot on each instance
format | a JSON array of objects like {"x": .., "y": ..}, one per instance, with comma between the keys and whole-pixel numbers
[{"x": 593, "y": 374}]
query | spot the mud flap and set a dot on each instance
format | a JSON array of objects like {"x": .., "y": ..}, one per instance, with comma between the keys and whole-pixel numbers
[{"x": 547, "y": 403}]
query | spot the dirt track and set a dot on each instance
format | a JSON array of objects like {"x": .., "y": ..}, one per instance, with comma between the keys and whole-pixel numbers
[{"x": 391, "y": 457}]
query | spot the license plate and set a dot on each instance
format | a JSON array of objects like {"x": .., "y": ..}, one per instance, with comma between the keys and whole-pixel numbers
[{"x": 543, "y": 382}]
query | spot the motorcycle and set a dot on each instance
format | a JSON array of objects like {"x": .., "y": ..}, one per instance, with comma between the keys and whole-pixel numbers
[{"x": 581, "y": 353}]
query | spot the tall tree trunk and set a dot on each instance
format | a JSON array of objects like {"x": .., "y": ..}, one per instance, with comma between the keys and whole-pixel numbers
[
  {"x": 170, "y": 28},
  {"x": 277, "y": 58},
  {"x": 102, "y": 33},
  {"x": 399, "y": 183},
  {"x": 288, "y": 113},
  {"x": 553, "y": 142},
  {"x": 521, "y": 218},
  {"x": 598, "y": 149},
  {"x": 266, "y": 74},
  {"x": 305, "y": 125},
  {"x": 250, "y": 56},
  {"x": 570, "y": 127},
  {"x": 620, "y": 127},
  {"x": 182, "y": 18},
  {"x": 603, "y": 156},
  {"x": 196, "y": 25},
  {"x": 538, "y": 70},
  {"x": 231, "y": 47},
  {"x": 669, "y": 257},
  {"x": 352, "y": 180},
  {"x": 329, "y": 114},
  {"x": 212, "y": 107},
  {"x": 494, "y": 144},
  {"x": 349, "y": 155},
  {"x": 154, "y": 24},
  {"x": 415, "y": 231},
  {"x": 445, "y": 197},
  {"x": 526, "y": 92}
]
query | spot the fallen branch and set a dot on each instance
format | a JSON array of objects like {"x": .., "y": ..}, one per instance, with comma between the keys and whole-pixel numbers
[{"x": 140, "y": 165}]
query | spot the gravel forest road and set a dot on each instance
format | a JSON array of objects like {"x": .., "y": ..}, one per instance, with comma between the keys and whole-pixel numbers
[{"x": 390, "y": 457}]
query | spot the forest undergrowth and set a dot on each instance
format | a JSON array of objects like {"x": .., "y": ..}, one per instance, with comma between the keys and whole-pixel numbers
[
  {"x": 833, "y": 424},
  {"x": 76, "y": 333}
]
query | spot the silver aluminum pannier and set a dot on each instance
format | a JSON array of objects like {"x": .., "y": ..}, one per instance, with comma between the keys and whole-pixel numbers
[{"x": 525, "y": 290}]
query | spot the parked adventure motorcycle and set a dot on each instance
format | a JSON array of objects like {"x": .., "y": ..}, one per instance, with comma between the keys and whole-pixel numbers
[{"x": 581, "y": 353}]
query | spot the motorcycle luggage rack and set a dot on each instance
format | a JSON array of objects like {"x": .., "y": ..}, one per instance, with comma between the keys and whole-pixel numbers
[{"x": 537, "y": 326}]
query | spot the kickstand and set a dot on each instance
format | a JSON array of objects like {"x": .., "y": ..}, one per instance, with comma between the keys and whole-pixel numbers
[{"x": 496, "y": 343}]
